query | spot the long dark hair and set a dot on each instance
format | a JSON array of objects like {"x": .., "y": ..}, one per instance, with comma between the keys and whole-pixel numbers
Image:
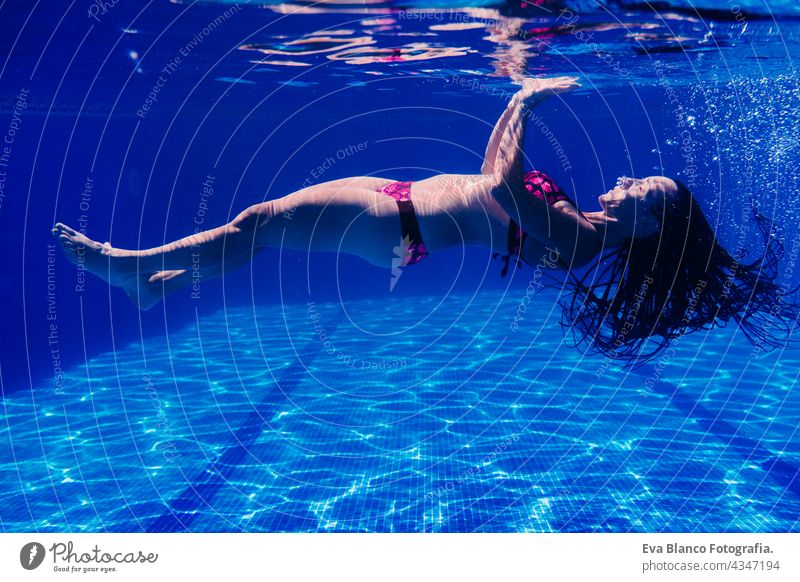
[{"x": 639, "y": 297}]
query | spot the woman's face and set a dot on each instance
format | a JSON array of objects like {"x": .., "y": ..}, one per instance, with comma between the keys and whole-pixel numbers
[{"x": 635, "y": 204}]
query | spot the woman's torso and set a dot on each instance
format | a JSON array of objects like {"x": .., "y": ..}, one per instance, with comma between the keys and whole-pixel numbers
[{"x": 459, "y": 209}]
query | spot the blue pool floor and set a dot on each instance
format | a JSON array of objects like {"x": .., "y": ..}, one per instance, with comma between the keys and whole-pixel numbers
[{"x": 428, "y": 415}]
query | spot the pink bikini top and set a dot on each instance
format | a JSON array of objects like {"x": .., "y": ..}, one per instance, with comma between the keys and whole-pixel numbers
[{"x": 543, "y": 187}]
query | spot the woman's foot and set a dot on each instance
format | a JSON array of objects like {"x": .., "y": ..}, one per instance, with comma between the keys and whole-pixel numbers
[
  {"x": 144, "y": 290},
  {"x": 91, "y": 255},
  {"x": 147, "y": 290}
]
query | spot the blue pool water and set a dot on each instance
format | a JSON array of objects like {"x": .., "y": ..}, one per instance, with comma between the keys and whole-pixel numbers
[
  {"x": 302, "y": 394},
  {"x": 256, "y": 420}
]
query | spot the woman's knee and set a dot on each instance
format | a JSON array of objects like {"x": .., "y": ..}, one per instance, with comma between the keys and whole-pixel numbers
[{"x": 253, "y": 218}]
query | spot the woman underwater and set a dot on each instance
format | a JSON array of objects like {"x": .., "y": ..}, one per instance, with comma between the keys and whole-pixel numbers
[{"x": 643, "y": 270}]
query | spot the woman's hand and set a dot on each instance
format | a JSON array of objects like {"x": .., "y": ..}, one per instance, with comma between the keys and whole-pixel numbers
[{"x": 535, "y": 90}]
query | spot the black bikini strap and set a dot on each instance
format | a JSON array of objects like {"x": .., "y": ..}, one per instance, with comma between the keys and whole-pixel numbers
[
  {"x": 514, "y": 245},
  {"x": 409, "y": 226},
  {"x": 513, "y": 232}
]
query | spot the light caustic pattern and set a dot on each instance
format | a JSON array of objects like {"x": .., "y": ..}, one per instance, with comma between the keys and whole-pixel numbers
[{"x": 343, "y": 431}]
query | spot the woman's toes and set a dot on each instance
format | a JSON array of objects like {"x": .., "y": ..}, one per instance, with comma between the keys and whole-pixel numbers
[{"x": 61, "y": 228}]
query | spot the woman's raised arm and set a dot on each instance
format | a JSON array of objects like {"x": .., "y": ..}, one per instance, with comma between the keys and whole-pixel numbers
[
  {"x": 541, "y": 221},
  {"x": 494, "y": 140}
]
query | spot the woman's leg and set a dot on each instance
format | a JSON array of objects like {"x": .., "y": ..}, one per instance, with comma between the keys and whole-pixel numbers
[
  {"x": 146, "y": 291},
  {"x": 347, "y": 219}
]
